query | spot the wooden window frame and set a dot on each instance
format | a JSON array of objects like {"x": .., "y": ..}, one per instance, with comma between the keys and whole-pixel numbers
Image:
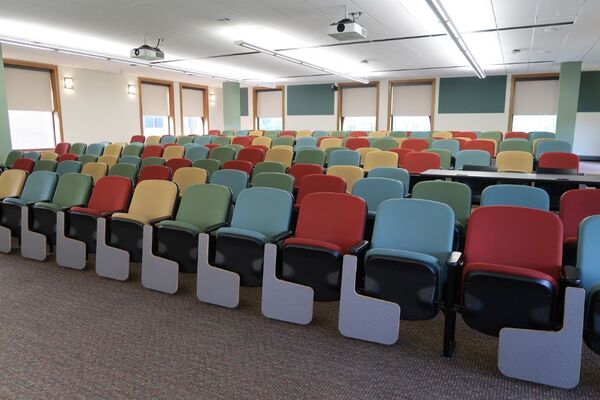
[
  {"x": 525, "y": 77},
  {"x": 391, "y": 84},
  {"x": 255, "y": 92},
  {"x": 171, "y": 116},
  {"x": 204, "y": 89}
]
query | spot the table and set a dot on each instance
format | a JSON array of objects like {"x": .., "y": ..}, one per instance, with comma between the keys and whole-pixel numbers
[{"x": 589, "y": 180}]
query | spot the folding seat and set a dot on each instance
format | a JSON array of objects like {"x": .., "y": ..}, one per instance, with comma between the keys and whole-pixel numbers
[
  {"x": 137, "y": 139},
  {"x": 420, "y": 135},
  {"x": 108, "y": 160},
  {"x": 95, "y": 149},
  {"x": 87, "y": 158},
  {"x": 133, "y": 160},
  {"x": 252, "y": 155},
  {"x": 274, "y": 180},
  {"x": 222, "y": 154},
  {"x": 240, "y": 165},
  {"x": 211, "y": 146},
  {"x": 202, "y": 140},
  {"x": 339, "y": 134},
  {"x": 175, "y": 163},
  {"x": 214, "y": 132},
  {"x": 243, "y": 141},
  {"x": 260, "y": 147},
  {"x": 330, "y": 151},
  {"x": 575, "y": 206},
  {"x": 255, "y": 133},
  {"x": 453, "y": 146},
  {"x": 381, "y": 159},
  {"x": 325, "y": 143},
  {"x": 356, "y": 134},
  {"x": 349, "y": 173},
  {"x": 49, "y": 155},
  {"x": 468, "y": 135},
  {"x": 209, "y": 166},
  {"x": 305, "y": 142},
  {"x": 493, "y": 135},
  {"x": 290, "y": 148},
  {"x": 25, "y": 164},
  {"x": 514, "y": 161},
  {"x": 125, "y": 170},
  {"x": 488, "y": 145},
  {"x": 154, "y": 172},
  {"x": 557, "y": 163},
  {"x": 268, "y": 166},
  {"x": 283, "y": 141},
  {"x": 302, "y": 134},
  {"x": 378, "y": 134},
  {"x": 32, "y": 155},
  {"x": 262, "y": 141},
  {"x": 234, "y": 179},
  {"x": 549, "y": 145},
  {"x": 319, "y": 134},
  {"x": 68, "y": 167},
  {"x": 283, "y": 156},
  {"x": 227, "y": 132},
  {"x": 12, "y": 156},
  {"x": 242, "y": 132},
  {"x": 45, "y": 165},
  {"x": 515, "y": 195},
  {"x": 399, "y": 134},
  {"x": 401, "y": 154},
  {"x": 133, "y": 149},
  {"x": 315, "y": 183},
  {"x": 261, "y": 216},
  {"x": 344, "y": 157},
  {"x": 78, "y": 148},
  {"x": 375, "y": 191},
  {"x": 173, "y": 152},
  {"x": 442, "y": 135},
  {"x": 516, "y": 135},
  {"x": 167, "y": 145},
  {"x": 114, "y": 149},
  {"x": 415, "y": 144},
  {"x": 96, "y": 170},
  {"x": 152, "y": 161},
  {"x": 418, "y": 162},
  {"x": 221, "y": 140},
  {"x": 185, "y": 139},
  {"x": 310, "y": 156},
  {"x": 152, "y": 140},
  {"x": 271, "y": 134},
  {"x": 299, "y": 171},
  {"x": 187, "y": 176},
  {"x": 398, "y": 174},
  {"x": 363, "y": 151},
  {"x": 515, "y": 144},
  {"x": 472, "y": 157},
  {"x": 533, "y": 136},
  {"x": 196, "y": 153},
  {"x": 152, "y": 151},
  {"x": 355, "y": 143},
  {"x": 11, "y": 183},
  {"x": 62, "y": 148},
  {"x": 385, "y": 143},
  {"x": 445, "y": 157}
]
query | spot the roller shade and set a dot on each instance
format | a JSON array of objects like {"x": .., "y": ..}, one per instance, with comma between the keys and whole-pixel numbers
[
  {"x": 269, "y": 104},
  {"x": 359, "y": 102},
  {"x": 536, "y": 97},
  {"x": 192, "y": 102},
  {"x": 28, "y": 90},
  {"x": 155, "y": 99},
  {"x": 411, "y": 100}
]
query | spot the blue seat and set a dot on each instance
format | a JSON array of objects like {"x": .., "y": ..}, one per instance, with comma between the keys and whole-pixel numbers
[
  {"x": 188, "y": 146},
  {"x": 399, "y": 174},
  {"x": 377, "y": 190},
  {"x": 197, "y": 153},
  {"x": 305, "y": 142},
  {"x": 478, "y": 158},
  {"x": 95, "y": 149},
  {"x": 344, "y": 157},
  {"x": 515, "y": 195},
  {"x": 588, "y": 254},
  {"x": 34, "y": 155},
  {"x": 67, "y": 167},
  {"x": 166, "y": 139},
  {"x": 554, "y": 146},
  {"x": 318, "y": 134},
  {"x": 261, "y": 215},
  {"x": 242, "y": 133},
  {"x": 453, "y": 146},
  {"x": 420, "y": 134},
  {"x": 234, "y": 179},
  {"x": 541, "y": 135},
  {"x": 130, "y": 160},
  {"x": 202, "y": 140},
  {"x": 406, "y": 264}
]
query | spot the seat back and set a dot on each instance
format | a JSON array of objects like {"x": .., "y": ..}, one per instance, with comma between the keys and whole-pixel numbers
[
  {"x": 72, "y": 190},
  {"x": 588, "y": 254},
  {"x": 255, "y": 133},
  {"x": 137, "y": 139},
  {"x": 445, "y": 157},
  {"x": 558, "y": 160},
  {"x": 243, "y": 141},
  {"x": 398, "y": 174},
  {"x": 541, "y": 135},
  {"x": 453, "y": 146},
  {"x": 39, "y": 186},
  {"x": 514, "y": 161},
  {"x": 209, "y": 165},
  {"x": 414, "y": 144},
  {"x": 78, "y": 148},
  {"x": 264, "y": 210},
  {"x": 175, "y": 163},
  {"x": 153, "y": 139},
  {"x": 124, "y": 170},
  {"x": 319, "y": 134},
  {"x": 204, "y": 205},
  {"x": 302, "y": 142},
  {"x": 222, "y": 154},
  {"x": 336, "y": 218},
  {"x": 185, "y": 139},
  {"x": 62, "y": 148},
  {"x": 24, "y": 164},
  {"x": 303, "y": 133},
  {"x": 515, "y": 145},
  {"x": 515, "y": 195},
  {"x": 153, "y": 199},
  {"x": 33, "y": 155},
  {"x": 11, "y": 183},
  {"x": 271, "y": 134},
  {"x": 401, "y": 154},
  {"x": 133, "y": 149},
  {"x": 214, "y": 132},
  {"x": 187, "y": 176},
  {"x": 575, "y": 206},
  {"x": 166, "y": 139},
  {"x": 330, "y": 151},
  {"x": 242, "y": 133},
  {"x": 442, "y": 135},
  {"x": 363, "y": 151},
  {"x": 196, "y": 153},
  {"x": 468, "y": 135},
  {"x": 114, "y": 149},
  {"x": 95, "y": 149},
  {"x": 281, "y": 155},
  {"x": 418, "y": 162},
  {"x": 299, "y": 171},
  {"x": 356, "y": 134},
  {"x": 111, "y": 194},
  {"x": 173, "y": 152},
  {"x": 472, "y": 157},
  {"x": 202, "y": 140},
  {"x": 375, "y": 159},
  {"x": 326, "y": 143},
  {"x": 49, "y": 155},
  {"x": 68, "y": 157},
  {"x": 68, "y": 167},
  {"x": 377, "y": 190},
  {"x": 268, "y": 166},
  {"x": 319, "y": 183},
  {"x": 152, "y": 161},
  {"x": 87, "y": 158},
  {"x": 108, "y": 160},
  {"x": 45, "y": 165},
  {"x": 516, "y": 135},
  {"x": 154, "y": 172},
  {"x": 133, "y": 160},
  {"x": 240, "y": 165},
  {"x": 348, "y": 173},
  {"x": 252, "y": 155},
  {"x": 354, "y": 143},
  {"x": 310, "y": 156},
  {"x": 274, "y": 180},
  {"x": 386, "y": 143},
  {"x": 555, "y": 146},
  {"x": 95, "y": 169},
  {"x": 234, "y": 179},
  {"x": 283, "y": 141},
  {"x": 344, "y": 157},
  {"x": 221, "y": 140},
  {"x": 455, "y": 194},
  {"x": 493, "y": 135},
  {"x": 152, "y": 151},
  {"x": 262, "y": 141},
  {"x": 487, "y": 145}
]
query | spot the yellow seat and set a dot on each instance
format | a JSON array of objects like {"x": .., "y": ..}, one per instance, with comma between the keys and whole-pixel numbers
[
  {"x": 283, "y": 146},
  {"x": 255, "y": 133},
  {"x": 514, "y": 161},
  {"x": 364, "y": 151},
  {"x": 379, "y": 134},
  {"x": 152, "y": 139},
  {"x": 96, "y": 170},
  {"x": 173, "y": 152},
  {"x": 300, "y": 134},
  {"x": 262, "y": 141},
  {"x": 441, "y": 135},
  {"x": 48, "y": 155},
  {"x": 349, "y": 173},
  {"x": 187, "y": 176},
  {"x": 384, "y": 159},
  {"x": 331, "y": 142},
  {"x": 114, "y": 149},
  {"x": 152, "y": 201},
  {"x": 108, "y": 160},
  {"x": 11, "y": 183},
  {"x": 280, "y": 155}
]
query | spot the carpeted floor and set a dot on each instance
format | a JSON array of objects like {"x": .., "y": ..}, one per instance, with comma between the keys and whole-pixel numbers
[{"x": 67, "y": 334}]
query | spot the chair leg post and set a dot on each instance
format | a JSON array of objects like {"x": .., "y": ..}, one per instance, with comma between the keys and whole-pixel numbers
[{"x": 449, "y": 333}]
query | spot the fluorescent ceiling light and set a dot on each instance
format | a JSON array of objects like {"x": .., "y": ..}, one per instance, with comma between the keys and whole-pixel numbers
[
  {"x": 437, "y": 7},
  {"x": 297, "y": 61}
]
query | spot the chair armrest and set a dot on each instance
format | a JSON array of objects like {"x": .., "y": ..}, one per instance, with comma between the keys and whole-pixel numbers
[
  {"x": 455, "y": 260},
  {"x": 359, "y": 247},
  {"x": 280, "y": 236},
  {"x": 453, "y": 280},
  {"x": 570, "y": 275},
  {"x": 214, "y": 227},
  {"x": 158, "y": 219}
]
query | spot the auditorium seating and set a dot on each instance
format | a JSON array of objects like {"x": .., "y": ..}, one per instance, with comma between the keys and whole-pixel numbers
[
  {"x": 67, "y": 167},
  {"x": 173, "y": 152},
  {"x": 233, "y": 179},
  {"x": 32, "y": 155},
  {"x": 415, "y": 144},
  {"x": 299, "y": 171},
  {"x": 453, "y": 146},
  {"x": 319, "y": 183},
  {"x": 344, "y": 157},
  {"x": 472, "y": 158},
  {"x": 349, "y": 173},
  {"x": 12, "y": 183},
  {"x": 152, "y": 161},
  {"x": 587, "y": 265},
  {"x": 575, "y": 206},
  {"x": 380, "y": 159},
  {"x": 275, "y": 180},
  {"x": 152, "y": 151},
  {"x": 108, "y": 160},
  {"x": 445, "y": 157},
  {"x": 125, "y": 170},
  {"x": 78, "y": 148},
  {"x": 154, "y": 172},
  {"x": 133, "y": 160},
  {"x": 24, "y": 164},
  {"x": 559, "y": 161},
  {"x": 514, "y": 161},
  {"x": 310, "y": 156},
  {"x": 515, "y": 144},
  {"x": 516, "y": 135},
  {"x": 549, "y": 145},
  {"x": 95, "y": 170},
  {"x": 133, "y": 149},
  {"x": 175, "y": 163},
  {"x": 515, "y": 195},
  {"x": 418, "y": 162},
  {"x": 355, "y": 143},
  {"x": 385, "y": 143},
  {"x": 222, "y": 154}
]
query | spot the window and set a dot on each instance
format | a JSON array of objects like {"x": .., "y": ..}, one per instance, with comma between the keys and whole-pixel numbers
[
  {"x": 411, "y": 105},
  {"x": 411, "y": 123},
  {"x": 270, "y": 123},
  {"x": 156, "y": 108},
  {"x": 269, "y": 109},
  {"x": 192, "y": 109},
  {"x": 535, "y": 104},
  {"x": 193, "y": 126},
  {"x": 156, "y": 125},
  {"x": 533, "y": 123},
  {"x": 359, "y": 108},
  {"x": 31, "y": 129},
  {"x": 359, "y": 124}
]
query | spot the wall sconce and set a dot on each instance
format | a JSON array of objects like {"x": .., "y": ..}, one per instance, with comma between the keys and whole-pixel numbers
[
  {"x": 131, "y": 89},
  {"x": 211, "y": 98},
  {"x": 68, "y": 83}
]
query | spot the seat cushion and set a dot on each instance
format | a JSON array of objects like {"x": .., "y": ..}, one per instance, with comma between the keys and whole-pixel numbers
[
  {"x": 411, "y": 255},
  {"x": 130, "y": 217},
  {"x": 313, "y": 243},
  {"x": 88, "y": 211},
  {"x": 243, "y": 232},
  {"x": 179, "y": 225},
  {"x": 509, "y": 270},
  {"x": 47, "y": 206},
  {"x": 15, "y": 200}
]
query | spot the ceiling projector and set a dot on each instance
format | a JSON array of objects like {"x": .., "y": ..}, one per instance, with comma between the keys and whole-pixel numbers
[
  {"x": 148, "y": 53},
  {"x": 348, "y": 29}
]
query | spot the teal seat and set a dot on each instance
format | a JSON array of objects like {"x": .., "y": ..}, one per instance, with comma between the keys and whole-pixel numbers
[
  {"x": 68, "y": 167},
  {"x": 185, "y": 139},
  {"x": 453, "y": 146},
  {"x": 494, "y": 135},
  {"x": 202, "y": 140},
  {"x": 515, "y": 195},
  {"x": 133, "y": 149},
  {"x": 87, "y": 158},
  {"x": 133, "y": 160},
  {"x": 283, "y": 141},
  {"x": 243, "y": 132},
  {"x": 33, "y": 155},
  {"x": 330, "y": 150},
  {"x": 209, "y": 165},
  {"x": 515, "y": 145},
  {"x": 588, "y": 254},
  {"x": 305, "y": 142},
  {"x": 399, "y": 174},
  {"x": 318, "y": 134},
  {"x": 188, "y": 146},
  {"x": 340, "y": 134},
  {"x": 554, "y": 146},
  {"x": 274, "y": 180},
  {"x": 95, "y": 149},
  {"x": 78, "y": 148},
  {"x": 478, "y": 158},
  {"x": 267, "y": 166},
  {"x": 124, "y": 169},
  {"x": 310, "y": 156},
  {"x": 375, "y": 191},
  {"x": 222, "y": 154},
  {"x": 271, "y": 134},
  {"x": 344, "y": 157},
  {"x": 233, "y": 179},
  {"x": 152, "y": 161},
  {"x": 399, "y": 134},
  {"x": 221, "y": 140},
  {"x": 167, "y": 139},
  {"x": 386, "y": 143},
  {"x": 39, "y": 186},
  {"x": 420, "y": 134},
  {"x": 45, "y": 165},
  {"x": 228, "y": 132},
  {"x": 541, "y": 135},
  {"x": 197, "y": 153}
]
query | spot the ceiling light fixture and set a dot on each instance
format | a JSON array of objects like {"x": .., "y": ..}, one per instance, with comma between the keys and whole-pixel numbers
[
  {"x": 438, "y": 9},
  {"x": 300, "y": 62}
]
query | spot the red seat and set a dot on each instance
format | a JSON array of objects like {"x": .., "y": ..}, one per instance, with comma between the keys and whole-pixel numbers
[
  {"x": 299, "y": 171},
  {"x": 62, "y": 148},
  {"x": 137, "y": 139},
  {"x": 111, "y": 194},
  {"x": 329, "y": 225},
  {"x": 401, "y": 154},
  {"x": 415, "y": 144},
  {"x": 152, "y": 151},
  {"x": 67, "y": 157},
  {"x": 176, "y": 163},
  {"x": 354, "y": 143},
  {"x": 319, "y": 183},
  {"x": 157, "y": 172},
  {"x": 575, "y": 206},
  {"x": 240, "y": 165},
  {"x": 557, "y": 160},
  {"x": 24, "y": 164},
  {"x": 214, "y": 132},
  {"x": 418, "y": 162},
  {"x": 468, "y": 135},
  {"x": 211, "y": 146},
  {"x": 480, "y": 144},
  {"x": 251, "y": 154},
  {"x": 463, "y": 141},
  {"x": 243, "y": 140},
  {"x": 288, "y": 133},
  {"x": 516, "y": 135},
  {"x": 261, "y": 147},
  {"x": 356, "y": 134}
]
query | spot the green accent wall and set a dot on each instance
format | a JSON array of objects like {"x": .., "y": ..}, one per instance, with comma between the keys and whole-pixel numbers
[
  {"x": 244, "y": 102},
  {"x": 231, "y": 105},
  {"x": 310, "y": 100},
  {"x": 589, "y": 92},
  {"x": 568, "y": 99},
  {"x": 472, "y": 95},
  {"x": 5, "y": 143}
]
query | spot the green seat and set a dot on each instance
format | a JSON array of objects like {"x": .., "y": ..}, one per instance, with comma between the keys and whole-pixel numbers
[
  {"x": 494, "y": 135},
  {"x": 152, "y": 161},
  {"x": 267, "y": 166},
  {"x": 68, "y": 167},
  {"x": 45, "y": 165},
  {"x": 72, "y": 190},
  {"x": 385, "y": 144},
  {"x": 515, "y": 145},
  {"x": 221, "y": 140},
  {"x": 399, "y": 134},
  {"x": 222, "y": 154},
  {"x": 275, "y": 180},
  {"x": 339, "y": 134},
  {"x": 78, "y": 148},
  {"x": 12, "y": 156},
  {"x": 185, "y": 139},
  {"x": 310, "y": 156},
  {"x": 127, "y": 170},
  {"x": 445, "y": 157},
  {"x": 86, "y": 158},
  {"x": 272, "y": 134},
  {"x": 283, "y": 141},
  {"x": 318, "y": 134},
  {"x": 330, "y": 150},
  {"x": 209, "y": 165},
  {"x": 133, "y": 149},
  {"x": 227, "y": 132},
  {"x": 235, "y": 147}
]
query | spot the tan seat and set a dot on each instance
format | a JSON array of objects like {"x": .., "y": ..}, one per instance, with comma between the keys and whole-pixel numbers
[
  {"x": 262, "y": 141},
  {"x": 173, "y": 152},
  {"x": 187, "y": 176},
  {"x": 114, "y": 149},
  {"x": 363, "y": 151},
  {"x": 281, "y": 155},
  {"x": 514, "y": 161},
  {"x": 255, "y": 133},
  {"x": 379, "y": 134},
  {"x": 11, "y": 183},
  {"x": 349, "y": 173},
  {"x": 48, "y": 155},
  {"x": 380, "y": 159},
  {"x": 96, "y": 170},
  {"x": 442, "y": 135},
  {"x": 152, "y": 139},
  {"x": 152, "y": 201},
  {"x": 300, "y": 134},
  {"x": 109, "y": 160},
  {"x": 331, "y": 142}
]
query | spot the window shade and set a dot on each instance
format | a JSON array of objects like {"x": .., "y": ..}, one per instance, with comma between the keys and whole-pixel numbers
[
  {"x": 411, "y": 100},
  {"x": 192, "y": 102},
  {"x": 536, "y": 97},
  {"x": 155, "y": 99},
  {"x": 359, "y": 102},
  {"x": 269, "y": 104},
  {"x": 28, "y": 90}
]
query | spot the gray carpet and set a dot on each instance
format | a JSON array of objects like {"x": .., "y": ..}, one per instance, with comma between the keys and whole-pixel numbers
[{"x": 73, "y": 335}]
